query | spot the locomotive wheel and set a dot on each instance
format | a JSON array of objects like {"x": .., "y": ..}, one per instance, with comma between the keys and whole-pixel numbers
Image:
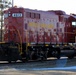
[
  {"x": 9, "y": 61},
  {"x": 33, "y": 56},
  {"x": 56, "y": 53},
  {"x": 45, "y": 55},
  {"x": 70, "y": 57},
  {"x": 23, "y": 60},
  {"x": 58, "y": 57},
  {"x": 25, "y": 57},
  {"x": 38, "y": 56}
]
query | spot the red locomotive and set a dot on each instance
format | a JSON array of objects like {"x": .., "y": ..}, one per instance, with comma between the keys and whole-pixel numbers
[{"x": 35, "y": 34}]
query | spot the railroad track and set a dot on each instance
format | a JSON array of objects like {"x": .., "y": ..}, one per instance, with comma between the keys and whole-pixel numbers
[{"x": 51, "y": 63}]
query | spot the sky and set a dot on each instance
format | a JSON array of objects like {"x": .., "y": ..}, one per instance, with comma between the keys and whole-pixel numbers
[{"x": 69, "y": 6}]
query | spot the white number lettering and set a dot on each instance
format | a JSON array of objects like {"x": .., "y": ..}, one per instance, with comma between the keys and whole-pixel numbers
[{"x": 17, "y": 15}]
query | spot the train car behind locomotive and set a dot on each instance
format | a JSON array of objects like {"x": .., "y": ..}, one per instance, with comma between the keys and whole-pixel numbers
[{"x": 38, "y": 34}]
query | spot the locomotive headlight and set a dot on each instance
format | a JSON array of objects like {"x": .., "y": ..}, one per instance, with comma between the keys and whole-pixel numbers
[{"x": 9, "y": 13}]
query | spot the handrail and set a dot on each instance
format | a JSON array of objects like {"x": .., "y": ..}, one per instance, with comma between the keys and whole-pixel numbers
[
  {"x": 20, "y": 41},
  {"x": 20, "y": 48}
]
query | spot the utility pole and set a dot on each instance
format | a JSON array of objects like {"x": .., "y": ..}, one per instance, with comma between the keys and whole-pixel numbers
[{"x": 3, "y": 5}]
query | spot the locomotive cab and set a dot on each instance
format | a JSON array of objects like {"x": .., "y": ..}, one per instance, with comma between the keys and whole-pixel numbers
[
  {"x": 13, "y": 33},
  {"x": 72, "y": 21},
  {"x": 13, "y": 24}
]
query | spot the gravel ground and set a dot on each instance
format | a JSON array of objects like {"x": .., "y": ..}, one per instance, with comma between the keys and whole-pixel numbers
[
  {"x": 53, "y": 72},
  {"x": 53, "y": 67}
]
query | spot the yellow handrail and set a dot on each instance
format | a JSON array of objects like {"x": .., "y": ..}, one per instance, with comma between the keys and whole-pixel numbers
[
  {"x": 19, "y": 46},
  {"x": 20, "y": 42},
  {"x": 26, "y": 40}
]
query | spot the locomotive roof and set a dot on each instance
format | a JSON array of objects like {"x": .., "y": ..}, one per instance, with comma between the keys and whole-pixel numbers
[
  {"x": 52, "y": 12},
  {"x": 58, "y": 12},
  {"x": 38, "y": 11}
]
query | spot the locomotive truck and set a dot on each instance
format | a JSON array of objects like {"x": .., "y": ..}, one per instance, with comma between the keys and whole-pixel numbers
[{"x": 37, "y": 35}]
